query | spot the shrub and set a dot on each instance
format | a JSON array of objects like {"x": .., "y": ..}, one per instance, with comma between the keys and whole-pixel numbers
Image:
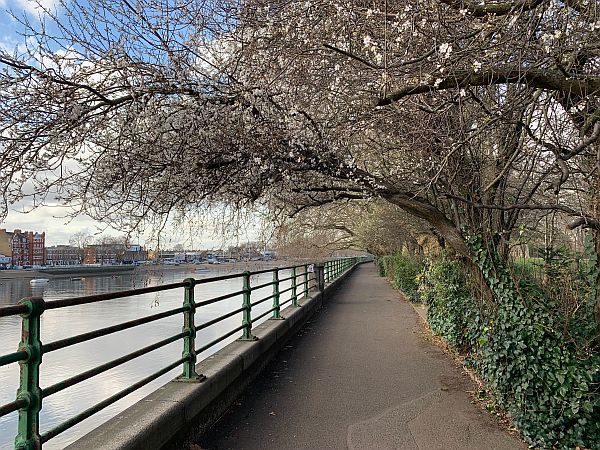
[
  {"x": 535, "y": 353},
  {"x": 402, "y": 270},
  {"x": 406, "y": 270},
  {"x": 452, "y": 313}
]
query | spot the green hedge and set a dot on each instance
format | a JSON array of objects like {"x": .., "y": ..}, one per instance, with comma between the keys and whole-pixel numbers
[
  {"x": 546, "y": 378},
  {"x": 402, "y": 270}
]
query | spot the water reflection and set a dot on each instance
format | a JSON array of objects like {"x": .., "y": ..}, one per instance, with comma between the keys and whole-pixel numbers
[{"x": 64, "y": 322}]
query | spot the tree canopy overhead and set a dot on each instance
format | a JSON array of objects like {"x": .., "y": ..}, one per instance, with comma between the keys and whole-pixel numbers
[{"x": 467, "y": 115}]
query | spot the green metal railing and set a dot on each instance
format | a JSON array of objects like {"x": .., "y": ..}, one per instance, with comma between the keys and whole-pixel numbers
[
  {"x": 31, "y": 349},
  {"x": 334, "y": 268}
]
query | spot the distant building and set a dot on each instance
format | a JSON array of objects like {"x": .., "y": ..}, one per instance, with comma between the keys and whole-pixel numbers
[
  {"x": 134, "y": 254},
  {"x": 5, "y": 261},
  {"x": 5, "y": 242},
  {"x": 195, "y": 256},
  {"x": 28, "y": 248},
  {"x": 166, "y": 255},
  {"x": 63, "y": 255},
  {"x": 110, "y": 253}
]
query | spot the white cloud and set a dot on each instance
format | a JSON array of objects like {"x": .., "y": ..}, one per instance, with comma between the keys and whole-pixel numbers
[
  {"x": 58, "y": 228},
  {"x": 51, "y": 220},
  {"x": 37, "y": 6}
]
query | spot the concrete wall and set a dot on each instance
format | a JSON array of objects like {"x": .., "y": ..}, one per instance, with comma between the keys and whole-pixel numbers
[{"x": 179, "y": 409}]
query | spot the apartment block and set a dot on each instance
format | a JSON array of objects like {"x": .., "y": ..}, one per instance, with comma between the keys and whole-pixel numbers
[
  {"x": 63, "y": 255},
  {"x": 28, "y": 248}
]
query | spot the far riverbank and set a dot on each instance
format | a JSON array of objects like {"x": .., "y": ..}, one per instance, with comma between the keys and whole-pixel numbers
[{"x": 95, "y": 271}]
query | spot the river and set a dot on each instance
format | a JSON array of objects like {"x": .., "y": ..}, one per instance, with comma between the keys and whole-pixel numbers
[{"x": 60, "y": 323}]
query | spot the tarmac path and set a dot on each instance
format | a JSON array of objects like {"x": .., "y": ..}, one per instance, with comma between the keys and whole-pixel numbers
[{"x": 360, "y": 375}]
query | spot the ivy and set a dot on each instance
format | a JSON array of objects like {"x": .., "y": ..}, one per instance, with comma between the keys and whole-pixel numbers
[
  {"x": 539, "y": 364},
  {"x": 402, "y": 270}
]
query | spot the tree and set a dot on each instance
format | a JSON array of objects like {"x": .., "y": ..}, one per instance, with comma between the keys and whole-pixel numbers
[
  {"x": 487, "y": 113},
  {"x": 110, "y": 249},
  {"x": 80, "y": 239},
  {"x": 467, "y": 116},
  {"x": 374, "y": 226}
]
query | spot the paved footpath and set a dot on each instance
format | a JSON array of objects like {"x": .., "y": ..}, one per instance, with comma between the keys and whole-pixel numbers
[{"x": 360, "y": 375}]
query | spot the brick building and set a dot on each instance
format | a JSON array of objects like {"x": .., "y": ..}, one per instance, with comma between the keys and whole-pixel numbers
[
  {"x": 135, "y": 253},
  {"x": 63, "y": 255},
  {"x": 104, "y": 253},
  {"x": 28, "y": 248},
  {"x": 6, "y": 242}
]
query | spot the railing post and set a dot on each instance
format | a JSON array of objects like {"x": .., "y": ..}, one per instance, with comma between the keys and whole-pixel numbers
[
  {"x": 277, "y": 310},
  {"x": 305, "y": 280},
  {"x": 320, "y": 274},
  {"x": 294, "y": 288},
  {"x": 28, "y": 436},
  {"x": 189, "y": 341},
  {"x": 247, "y": 313}
]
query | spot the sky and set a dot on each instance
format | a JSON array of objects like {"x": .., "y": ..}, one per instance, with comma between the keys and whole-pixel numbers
[
  {"x": 58, "y": 229},
  {"x": 9, "y": 27},
  {"x": 53, "y": 219},
  {"x": 48, "y": 219}
]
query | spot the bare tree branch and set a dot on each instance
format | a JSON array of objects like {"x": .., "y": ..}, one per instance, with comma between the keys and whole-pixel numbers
[{"x": 536, "y": 78}]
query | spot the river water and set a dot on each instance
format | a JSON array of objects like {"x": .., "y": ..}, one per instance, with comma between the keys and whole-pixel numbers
[{"x": 64, "y": 322}]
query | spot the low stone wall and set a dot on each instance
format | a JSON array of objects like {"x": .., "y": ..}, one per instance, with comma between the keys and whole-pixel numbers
[{"x": 179, "y": 409}]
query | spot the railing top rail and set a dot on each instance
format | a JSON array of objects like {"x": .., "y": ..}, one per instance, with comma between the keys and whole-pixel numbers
[{"x": 14, "y": 310}]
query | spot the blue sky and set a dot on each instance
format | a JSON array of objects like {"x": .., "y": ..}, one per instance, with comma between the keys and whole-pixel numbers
[
  {"x": 53, "y": 219},
  {"x": 9, "y": 27},
  {"x": 49, "y": 219}
]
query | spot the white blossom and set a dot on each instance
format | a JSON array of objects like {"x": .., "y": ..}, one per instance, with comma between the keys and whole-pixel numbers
[{"x": 445, "y": 50}]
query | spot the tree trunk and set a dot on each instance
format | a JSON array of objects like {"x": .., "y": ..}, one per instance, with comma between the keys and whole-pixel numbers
[
  {"x": 449, "y": 231},
  {"x": 423, "y": 210},
  {"x": 596, "y": 235},
  {"x": 595, "y": 208}
]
